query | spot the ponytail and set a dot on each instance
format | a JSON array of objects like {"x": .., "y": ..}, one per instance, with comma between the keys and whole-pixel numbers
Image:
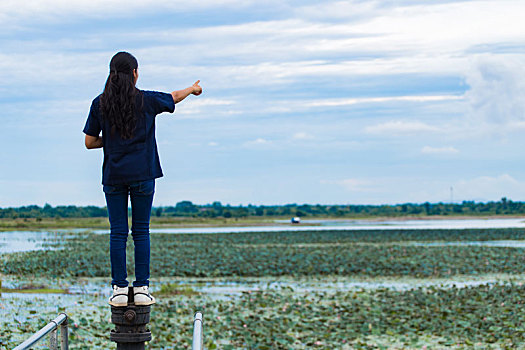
[{"x": 117, "y": 102}]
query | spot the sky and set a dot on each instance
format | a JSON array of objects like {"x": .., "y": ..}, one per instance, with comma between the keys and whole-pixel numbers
[{"x": 329, "y": 102}]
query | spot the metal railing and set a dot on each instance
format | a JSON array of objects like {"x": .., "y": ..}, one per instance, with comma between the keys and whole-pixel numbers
[
  {"x": 61, "y": 321},
  {"x": 197, "y": 332},
  {"x": 51, "y": 329}
]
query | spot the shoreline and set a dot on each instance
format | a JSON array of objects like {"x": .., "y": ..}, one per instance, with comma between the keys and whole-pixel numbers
[{"x": 31, "y": 224}]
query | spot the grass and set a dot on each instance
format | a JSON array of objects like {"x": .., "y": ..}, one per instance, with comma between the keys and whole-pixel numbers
[
  {"x": 52, "y": 223},
  {"x": 8, "y": 224},
  {"x": 29, "y": 288},
  {"x": 176, "y": 289},
  {"x": 24, "y": 224}
]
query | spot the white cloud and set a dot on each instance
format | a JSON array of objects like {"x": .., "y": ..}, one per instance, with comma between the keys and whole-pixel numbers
[
  {"x": 497, "y": 88},
  {"x": 406, "y": 188},
  {"x": 301, "y": 135},
  {"x": 344, "y": 10},
  {"x": 403, "y": 39},
  {"x": 55, "y": 192},
  {"x": 385, "y": 40},
  {"x": 432, "y": 102},
  {"x": 395, "y": 38},
  {"x": 204, "y": 108},
  {"x": 400, "y": 127},
  {"x": 354, "y": 184},
  {"x": 257, "y": 143},
  {"x": 62, "y": 10},
  {"x": 212, "y": 102},
  {"x": 248, "y": 68},
  {"x": 439, "y": 150},
  {"x": 351, "y": 101},
  {"x": 490, "y": 188}
]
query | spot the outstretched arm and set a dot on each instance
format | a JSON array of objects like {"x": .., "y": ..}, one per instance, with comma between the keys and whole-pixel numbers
[{"x": 180, "y": 95}]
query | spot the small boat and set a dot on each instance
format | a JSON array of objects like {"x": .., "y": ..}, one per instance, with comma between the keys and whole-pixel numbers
[{"x": 296, "y": 220}]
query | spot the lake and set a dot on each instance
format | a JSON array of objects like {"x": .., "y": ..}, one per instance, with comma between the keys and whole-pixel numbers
[
  {"x": 331, "y": 225},
  {"x": 398, "y": 278},
  {"x": 20, "y": 241}
]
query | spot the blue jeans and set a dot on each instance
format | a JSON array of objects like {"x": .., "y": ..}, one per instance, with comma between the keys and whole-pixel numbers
[{"x": 141, "y": 194}]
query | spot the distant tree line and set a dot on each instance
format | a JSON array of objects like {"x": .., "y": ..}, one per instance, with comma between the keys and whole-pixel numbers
[
  {"x": 48, "y": 211},
  {"x": 217, "y": 210}
]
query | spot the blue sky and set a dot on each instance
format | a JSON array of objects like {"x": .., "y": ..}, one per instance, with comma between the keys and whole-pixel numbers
[{"x": 304, "y": 101}]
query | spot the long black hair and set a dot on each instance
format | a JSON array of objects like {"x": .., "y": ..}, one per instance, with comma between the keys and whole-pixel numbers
[{"x": 117, "y": 102}]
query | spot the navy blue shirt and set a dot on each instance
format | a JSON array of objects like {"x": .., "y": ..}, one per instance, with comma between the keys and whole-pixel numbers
[{"x": 135, "y": 159}]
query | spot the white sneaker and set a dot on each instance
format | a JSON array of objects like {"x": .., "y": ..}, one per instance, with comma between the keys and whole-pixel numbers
[
  {"x": 142, "y": 296},
  {"x": 119, "y": 297}
]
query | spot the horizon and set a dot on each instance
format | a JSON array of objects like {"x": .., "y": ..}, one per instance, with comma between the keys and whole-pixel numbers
[
  {"x": 281, "y": 205},
  {"x": 359, "y": 102}
]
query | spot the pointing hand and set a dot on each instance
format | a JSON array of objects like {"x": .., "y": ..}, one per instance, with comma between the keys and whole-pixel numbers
[{"x": 197, "y": 90}]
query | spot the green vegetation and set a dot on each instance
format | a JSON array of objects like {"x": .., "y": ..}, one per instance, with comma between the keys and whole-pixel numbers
[
  {"x": 175, "y": 289},
  {"x": 482, "y": 317},
  {"x": 487, "y": 316},
  {"x": 345, "y": 253},
  {"x": 187, "y": 209},
  {"x": 24, "y": 224},
  {"x": 48, "y": 211}
]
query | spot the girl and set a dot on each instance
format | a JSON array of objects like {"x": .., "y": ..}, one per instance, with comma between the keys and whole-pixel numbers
[{"x": 126, "y": 117}]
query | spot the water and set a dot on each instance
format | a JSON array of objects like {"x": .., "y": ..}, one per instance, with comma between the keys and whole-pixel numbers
[
  {"x": 20, "y": 307},
  {"x": 20, "y": 241},
  {"x": 236, "y": 288},
  {"x": 505, "y": 244},
  {"x": 23, "y": 241},
  {"x": 217, "y": 288},
  {"x": 331, "y": 225}
]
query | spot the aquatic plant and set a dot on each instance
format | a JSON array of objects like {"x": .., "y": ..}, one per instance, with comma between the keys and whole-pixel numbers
[
  {"x": 486, "y": 316},
  {"x": 344, "y": 253}
]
